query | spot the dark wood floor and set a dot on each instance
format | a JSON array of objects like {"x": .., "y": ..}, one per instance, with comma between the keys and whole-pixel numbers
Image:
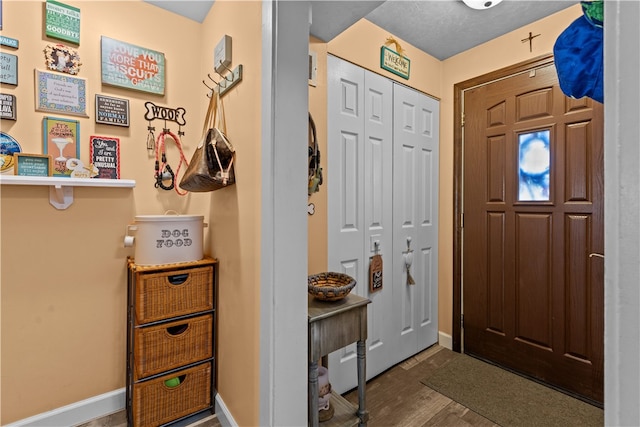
[
  {"x": 394, "y": 398},
  {"x": 398, "y": 398}
]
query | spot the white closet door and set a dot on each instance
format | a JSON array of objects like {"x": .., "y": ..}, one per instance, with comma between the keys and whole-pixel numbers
[
  {"x": 345, "y": 201},
  {"x": 362, "y": 179},
  {"x": 415, "y": 213},
  {"x": 378, "y": 217},
  {"x": 345, "y": 160},
  {"x": 359, "y": 184}
]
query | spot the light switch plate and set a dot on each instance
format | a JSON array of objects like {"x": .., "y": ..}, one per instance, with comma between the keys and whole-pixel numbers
[{"x": 222, "y": 54}]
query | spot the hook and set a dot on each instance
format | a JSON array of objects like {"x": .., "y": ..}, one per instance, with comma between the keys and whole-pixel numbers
[
  {"x": 208, "y": 87},
  {"x": 225, "y": 77},
  {"x": 211, "y": 78},
  {"x": 211, "y": 90}
]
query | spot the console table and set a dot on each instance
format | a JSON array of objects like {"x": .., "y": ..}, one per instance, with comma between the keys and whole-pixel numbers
[{"x": 332, "y": 326}]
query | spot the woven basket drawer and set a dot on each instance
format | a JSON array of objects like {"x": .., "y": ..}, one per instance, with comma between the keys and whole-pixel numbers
[
  {"x": 171, "y": 345},
  {"x": 154, "y": 403},
  {"x": 173, "y": 293}
]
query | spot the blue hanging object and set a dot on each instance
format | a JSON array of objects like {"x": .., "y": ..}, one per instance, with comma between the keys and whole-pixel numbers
[{"x": 578, "y": 55}]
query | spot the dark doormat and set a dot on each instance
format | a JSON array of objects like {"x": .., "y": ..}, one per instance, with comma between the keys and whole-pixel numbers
[{"x": 508, "y": 399}]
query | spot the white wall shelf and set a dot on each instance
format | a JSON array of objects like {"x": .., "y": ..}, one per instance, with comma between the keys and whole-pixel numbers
[{"x": 61, "y": 189}]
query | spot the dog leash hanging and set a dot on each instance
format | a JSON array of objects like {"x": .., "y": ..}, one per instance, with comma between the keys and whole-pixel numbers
[{"x": 162, "y": 168}]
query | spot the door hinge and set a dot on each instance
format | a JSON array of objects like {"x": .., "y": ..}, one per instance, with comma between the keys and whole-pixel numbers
[
  {"x": 462, "y": 120},
  {"x": 462, "y": 321},
  {"x": 462, "y": 220}
]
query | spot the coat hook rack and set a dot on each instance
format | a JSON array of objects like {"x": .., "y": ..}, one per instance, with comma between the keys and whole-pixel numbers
[{"x": 227, "y": 82}]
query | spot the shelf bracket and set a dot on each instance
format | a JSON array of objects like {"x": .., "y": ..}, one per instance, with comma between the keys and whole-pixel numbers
[{"x": 60, "y": 197}]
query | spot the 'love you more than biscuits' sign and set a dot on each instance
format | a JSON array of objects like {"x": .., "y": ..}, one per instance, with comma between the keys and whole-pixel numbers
[{"x": 132, "y": 67}]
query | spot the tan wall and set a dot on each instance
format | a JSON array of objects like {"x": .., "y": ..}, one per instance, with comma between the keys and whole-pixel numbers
[
  {"x": 317, "y": 232},
  {"x": 361, "y": 44},
  {"x": 63, "y": 277},
  {"x": 235, "y": 212}
]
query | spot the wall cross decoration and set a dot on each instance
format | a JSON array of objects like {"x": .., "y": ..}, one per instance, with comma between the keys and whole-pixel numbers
[{"x": 530, "y": 39}]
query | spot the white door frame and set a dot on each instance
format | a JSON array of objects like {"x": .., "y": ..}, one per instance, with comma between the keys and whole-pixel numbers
[
  {"x": 283, "y": 228},
  {"x": 622, "y": 204}
]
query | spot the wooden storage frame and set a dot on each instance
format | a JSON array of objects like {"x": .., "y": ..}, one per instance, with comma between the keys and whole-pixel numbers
[{"x": 191, "y": 302}]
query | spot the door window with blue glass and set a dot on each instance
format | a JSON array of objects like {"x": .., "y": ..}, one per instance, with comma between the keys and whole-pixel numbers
[{"x": 534, "y": 164}]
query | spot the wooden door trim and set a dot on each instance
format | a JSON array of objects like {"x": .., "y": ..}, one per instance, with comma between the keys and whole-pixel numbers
[{"x": 458, "y": 90}]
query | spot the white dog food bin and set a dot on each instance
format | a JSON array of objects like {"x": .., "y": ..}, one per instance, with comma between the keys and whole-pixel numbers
[{"x": 166, "y": 239}]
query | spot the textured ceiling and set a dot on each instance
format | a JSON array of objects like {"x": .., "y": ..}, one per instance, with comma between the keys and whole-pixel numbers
[
  {"x": 447, "y": 27},
  {"x": 441, "y": 28}
]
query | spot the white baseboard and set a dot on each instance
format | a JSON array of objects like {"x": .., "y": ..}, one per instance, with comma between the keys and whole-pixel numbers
[
  {"x": 98, "y": 407},
  {"x": 224, "y": 416},
  {"x": 445, "y": 340},
  {"x": 78, "y": 412}
]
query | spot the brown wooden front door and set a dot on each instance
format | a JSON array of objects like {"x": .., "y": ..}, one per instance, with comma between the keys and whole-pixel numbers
[{"x": 532, "y": 232}]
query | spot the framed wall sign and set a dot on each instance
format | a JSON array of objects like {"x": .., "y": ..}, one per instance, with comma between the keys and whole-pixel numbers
[
  {"x": 112, "y": 111},
  {"x": 9, "y": 42},
  {"x": 398, "y": 64},
  {"x": 7, "y": 106},
  {"x": 62, "y": 22},
  {"x": 8, "y": 68},
  {"x": 132, "y": 67},
  {"x": 32, "y": 164},
  {"x": 8, "y": 147},
  {"x": 61, "y": 140},
  {"x": 61, "y": 93},
  {"x": 104, "y": 152},
  {"x": 62, "y": 58}
]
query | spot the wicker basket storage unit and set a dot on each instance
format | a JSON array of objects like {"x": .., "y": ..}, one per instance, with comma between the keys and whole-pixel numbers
[
  {"x": 330, "y": 286},
  {"x": 155, "y": 403},
  {"x": 173, "y": 293},
  {"x": 171, "y": 342},
  {"x": 171, "y": 345}
]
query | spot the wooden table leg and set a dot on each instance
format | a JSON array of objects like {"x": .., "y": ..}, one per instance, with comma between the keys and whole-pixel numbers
[
  {"x": 313, "y": 393},
  {"x": 362, "y": 413}
]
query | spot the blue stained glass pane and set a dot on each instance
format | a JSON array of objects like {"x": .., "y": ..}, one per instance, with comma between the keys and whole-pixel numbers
[{"x": 534, "y": 163}]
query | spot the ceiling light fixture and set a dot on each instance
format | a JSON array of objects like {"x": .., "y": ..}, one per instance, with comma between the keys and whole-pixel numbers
[{"x": 481, "y": 4}]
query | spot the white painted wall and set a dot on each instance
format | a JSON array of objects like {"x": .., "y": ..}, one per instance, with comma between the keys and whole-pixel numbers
[
  {"x": 283, "y": 269},
  {"x": 622, "y": 209}
]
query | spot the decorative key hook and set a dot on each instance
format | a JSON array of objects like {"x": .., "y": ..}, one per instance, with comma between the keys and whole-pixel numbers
[{"x": 408, "y": 260}]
